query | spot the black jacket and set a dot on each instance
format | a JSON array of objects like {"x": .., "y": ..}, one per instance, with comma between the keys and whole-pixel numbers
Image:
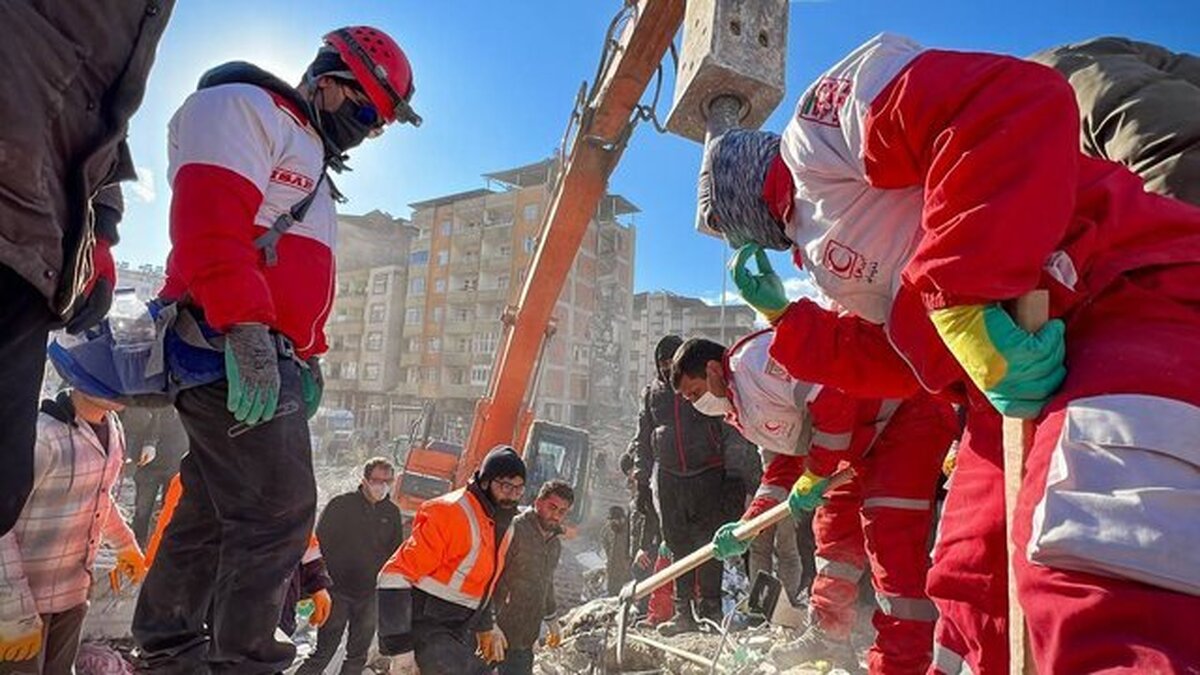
[
  {"x": 357, "y": 537},
  {"x": 643, "y": 518},
  {"x": 676, "y": 436},
  {"x": 170, "y": 441},
  {"x": 525, "y": 592},
  {"x": 75, "y": 74},
  {"x": 615, "y": 538}
]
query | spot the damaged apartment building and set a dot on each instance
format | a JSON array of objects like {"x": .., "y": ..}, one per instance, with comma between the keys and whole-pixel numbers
[{"x": 417, "y": 319}]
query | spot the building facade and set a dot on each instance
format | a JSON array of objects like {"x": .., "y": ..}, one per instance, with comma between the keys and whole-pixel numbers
[
  {"x": 145, "y": 280},
  {"x": 364, "y": 331},
  {"x": 660, "y": 313},
  {"x": 469, "y": 263}
]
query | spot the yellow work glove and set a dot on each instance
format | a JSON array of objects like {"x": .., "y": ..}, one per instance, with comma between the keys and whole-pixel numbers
[
  {"x": 1017, "y": 370},
  {"x": 553, "y": 633},
  {"x": 132, "y": 564},
  {"x": 492, "y": 644},
  {"x": 321, "y": 606},
  {"x": 951, "y": 461},
  {"x": 21, "y": 640}
]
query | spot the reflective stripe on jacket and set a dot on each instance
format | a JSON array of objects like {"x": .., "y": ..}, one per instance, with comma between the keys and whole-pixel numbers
[
  {"x": 451, "y": 553},
  {"x": 789, "y": 416}
]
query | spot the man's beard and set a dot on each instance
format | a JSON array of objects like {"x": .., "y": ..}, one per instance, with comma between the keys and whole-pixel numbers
[{"x": 506, "y": 504}]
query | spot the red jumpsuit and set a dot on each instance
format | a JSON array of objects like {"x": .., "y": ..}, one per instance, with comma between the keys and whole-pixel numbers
[
  {"x": 926, "y": 179},
  {"x": 882, "y": 517}
]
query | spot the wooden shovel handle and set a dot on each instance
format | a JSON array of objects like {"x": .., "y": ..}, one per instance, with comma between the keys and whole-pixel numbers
[{"x": 1030, "y": 312}]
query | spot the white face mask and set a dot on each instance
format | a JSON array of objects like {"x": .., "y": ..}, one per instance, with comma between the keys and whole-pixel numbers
[
  {"x": 377, "y": 492},
  {"x": 712, "y": 405}
]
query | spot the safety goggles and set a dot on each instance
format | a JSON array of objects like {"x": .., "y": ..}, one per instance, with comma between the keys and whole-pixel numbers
[{"x": 365, "y": 113}]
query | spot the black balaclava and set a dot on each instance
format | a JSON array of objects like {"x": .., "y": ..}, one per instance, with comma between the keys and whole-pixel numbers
[{"x": 342, "y": 128}]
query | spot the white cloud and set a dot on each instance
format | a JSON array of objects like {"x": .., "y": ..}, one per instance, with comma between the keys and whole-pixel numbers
[
  {"x": 803, "y": 287},
  {"x": 731, "y": 298},
  {"x": 796, "y": 287},
  {"x": 143, "y": 188}
]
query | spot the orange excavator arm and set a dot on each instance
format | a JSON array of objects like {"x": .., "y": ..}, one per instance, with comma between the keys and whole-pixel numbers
[{"x": 501, "y": 417}]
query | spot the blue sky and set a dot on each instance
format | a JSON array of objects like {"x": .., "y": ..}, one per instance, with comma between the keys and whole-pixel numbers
[{"x": 496, "y": 80}]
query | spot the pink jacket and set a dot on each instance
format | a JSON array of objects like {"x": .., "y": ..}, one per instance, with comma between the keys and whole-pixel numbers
[{"x": 46, "y": 560}]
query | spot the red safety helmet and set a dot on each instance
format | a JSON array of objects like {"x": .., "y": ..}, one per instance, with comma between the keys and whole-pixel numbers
[{"x": 380, "y": 68}]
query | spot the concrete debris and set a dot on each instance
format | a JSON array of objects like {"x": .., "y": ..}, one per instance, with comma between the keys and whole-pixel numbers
[{"x": 590, "y": 647}]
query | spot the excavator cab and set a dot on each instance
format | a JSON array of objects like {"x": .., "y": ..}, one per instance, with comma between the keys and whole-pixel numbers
[
  {"x": 428, "y": 472},
  {"x": 556, "y": 451}
]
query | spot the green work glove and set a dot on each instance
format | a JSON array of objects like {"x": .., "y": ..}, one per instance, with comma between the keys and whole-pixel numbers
[
  {"x": 728, "y": 546},
  {"x": 312, "y": 386},
  {"x": 807, "y": 494},
  {"x": 252, "y": 368},
  {"x": 1017, "y": 370},
  {"x": 763, "y": 291}
]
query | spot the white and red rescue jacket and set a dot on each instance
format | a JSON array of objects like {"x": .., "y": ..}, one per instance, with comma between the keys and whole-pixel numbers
[
  {"x": 926, "y": 179},
  {"x": 796, "y": 423},
  {"x": 239, "y": 156}
]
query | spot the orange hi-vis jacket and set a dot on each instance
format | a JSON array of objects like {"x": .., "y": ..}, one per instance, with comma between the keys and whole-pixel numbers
[{"x": 451, "y": 553}]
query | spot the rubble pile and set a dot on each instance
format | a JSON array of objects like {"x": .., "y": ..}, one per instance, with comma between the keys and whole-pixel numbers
[{"x": 590, "y": 642}]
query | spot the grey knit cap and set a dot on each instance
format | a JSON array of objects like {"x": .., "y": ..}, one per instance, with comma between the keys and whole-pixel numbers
[{"x": 730, "y": 189}]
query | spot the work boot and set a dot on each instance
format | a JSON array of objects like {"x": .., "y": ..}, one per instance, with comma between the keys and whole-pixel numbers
[
  {"x": 682, "y": 622},
  {"x": 813, "y": 645}
]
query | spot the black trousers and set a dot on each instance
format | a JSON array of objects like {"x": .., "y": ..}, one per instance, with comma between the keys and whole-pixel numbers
[
  {"x": 360, "y": 614},
  {"x": 516, "y": 662},
  {"x": 691, "y": 509},
  {"x": 60, "y": 645},
  {"x": 807, "y": 544},
  {"x": 238, "y": 534},
  {"x": 441, "y": 634},
  {"x": 25, "y": 323},
  {"x": 446, "y": 649},
  {"x": 149, "y": 485}
]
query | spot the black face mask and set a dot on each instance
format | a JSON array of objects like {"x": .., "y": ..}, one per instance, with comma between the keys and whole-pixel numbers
[{"x": 343, "y": 127}]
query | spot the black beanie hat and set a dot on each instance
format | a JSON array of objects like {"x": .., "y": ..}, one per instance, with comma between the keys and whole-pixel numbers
[
  {"x": 501, "y": 462},
  {"x": 665, "y": 349}
]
